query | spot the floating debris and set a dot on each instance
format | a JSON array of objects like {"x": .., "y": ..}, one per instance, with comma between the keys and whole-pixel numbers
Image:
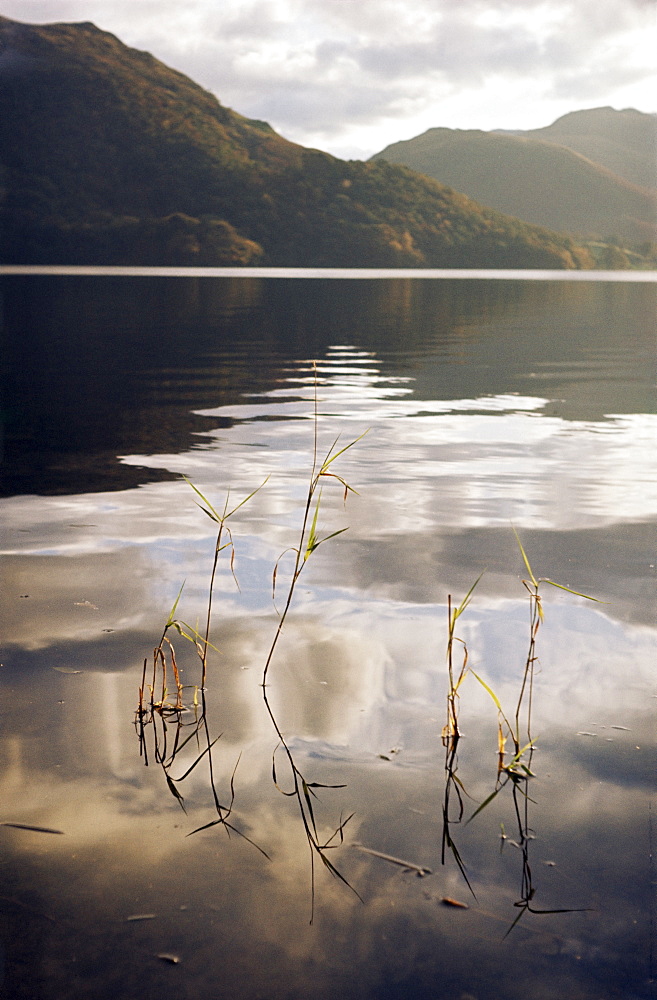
[
  {"x": 407, "y": 865},
  {"x": 448, "y": 901},
  {"x": 35, "y": 829},
  {"x": 134, "y": 917},
  {"x": 85, "y": 604},
  {"x": 586, "y": 734},
  {"x": 67, "y": 670},
  {"x": 624, "y": 728},
  {"x": 166, "y": 957}
]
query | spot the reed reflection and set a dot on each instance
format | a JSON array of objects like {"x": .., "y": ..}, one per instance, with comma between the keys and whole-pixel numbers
[
  {"x": 356, "y": 684},
  {"x": 155, "y": 711},
  {"x": 517, "y": 771}
]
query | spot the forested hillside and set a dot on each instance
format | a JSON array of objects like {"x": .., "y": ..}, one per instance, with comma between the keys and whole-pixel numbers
[
  {"x": 109, "y": 156},
  {"x": 548, "y": 176}
]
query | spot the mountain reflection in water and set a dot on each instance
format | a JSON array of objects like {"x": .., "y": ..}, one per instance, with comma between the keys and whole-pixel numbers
[{"x": 488, "y": 405}]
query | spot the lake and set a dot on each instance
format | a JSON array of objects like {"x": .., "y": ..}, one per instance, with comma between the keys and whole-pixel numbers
[{"x": 348, "y": 829}]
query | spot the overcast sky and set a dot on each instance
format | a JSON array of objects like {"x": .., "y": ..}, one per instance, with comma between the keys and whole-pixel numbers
[{"x": 351, "y": 76}]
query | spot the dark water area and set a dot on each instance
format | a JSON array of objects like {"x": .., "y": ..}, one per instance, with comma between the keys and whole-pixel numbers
[
  {"x": 488, "y": 406},
  {"x": 95, "y": 367}
]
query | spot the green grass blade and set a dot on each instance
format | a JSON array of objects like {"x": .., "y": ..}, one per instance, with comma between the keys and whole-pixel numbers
[
  {"x": 312, "y": 537},
  {"x": 528, "y": 746},
  {"x": 334, "y": 475},
  {"x": 485, "y": 803},
  {"x": 525, "y": 559},
  {"x": 246, "y": 499},
  {"x": 466, "y": 600},
  {"x": 208, "y": 509},
  {"x": 577, "y": 593},
  {"x": 172, "y": 613},
  {"x": 332, "y": 457},
  {"x": 333, "y": 534},
  {"x": 490, "y": 691}
]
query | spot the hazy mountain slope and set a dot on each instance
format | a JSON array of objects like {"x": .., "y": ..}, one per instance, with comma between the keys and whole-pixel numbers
[
  {"x": 108, "y": 156},
  {"x": 538, "y": 181},
  {"x": 623, "y": 141}
]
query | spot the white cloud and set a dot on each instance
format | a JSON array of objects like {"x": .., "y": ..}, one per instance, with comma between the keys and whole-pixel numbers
[{"x": 353, "y": 76}]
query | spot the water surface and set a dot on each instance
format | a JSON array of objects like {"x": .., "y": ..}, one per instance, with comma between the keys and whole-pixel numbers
[{"x": 488, "y": 406}]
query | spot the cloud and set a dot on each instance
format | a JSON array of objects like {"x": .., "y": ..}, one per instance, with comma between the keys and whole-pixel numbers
[{"x": 339, "y": 71}]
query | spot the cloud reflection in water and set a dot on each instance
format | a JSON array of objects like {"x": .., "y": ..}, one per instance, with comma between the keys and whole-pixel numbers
[{"x": 361, "y": 671}]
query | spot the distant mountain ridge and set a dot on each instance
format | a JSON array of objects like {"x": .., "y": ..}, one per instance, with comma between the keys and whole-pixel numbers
[
  {"x": 548, "y": 176},
  {"x": 109, "y": 156},
  {"x": 624, "y": 142}
]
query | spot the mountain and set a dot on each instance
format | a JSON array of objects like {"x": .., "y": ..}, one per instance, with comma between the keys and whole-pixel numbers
[
  {"x": 544, "y": 176},
  {"x": 109, "y": 156},
  {"x": 624, "y": 142}
]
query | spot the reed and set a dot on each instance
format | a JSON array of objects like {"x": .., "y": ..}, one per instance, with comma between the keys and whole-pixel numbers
[
  {"x": 451, "y": 734},
  {"x": 517, "y": 728},
  {"x": 176, "y": 714},
  {"x": 309, "y": 540},
  {"x": 160, "y": 710},
  {"x": 160, "y": 714}
]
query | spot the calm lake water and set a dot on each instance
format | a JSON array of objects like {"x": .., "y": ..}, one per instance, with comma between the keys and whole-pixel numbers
[{"x": 489, "y": 406}]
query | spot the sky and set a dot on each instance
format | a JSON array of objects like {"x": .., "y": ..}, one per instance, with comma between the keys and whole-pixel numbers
[{"x": 352, "y": 76}]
